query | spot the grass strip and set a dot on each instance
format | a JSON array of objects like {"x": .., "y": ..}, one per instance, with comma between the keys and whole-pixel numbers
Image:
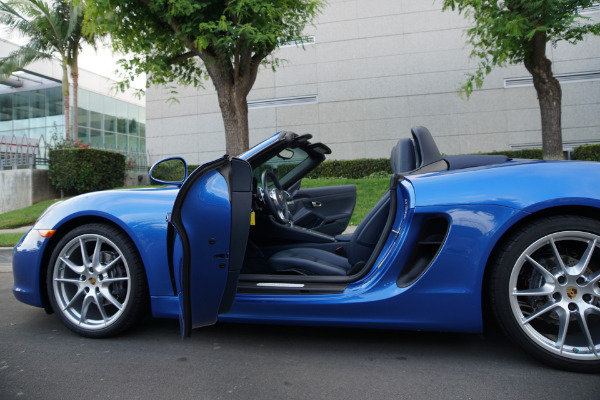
[
  {"x": 10, "y": 239},
  {"x": 24, "y": 216}
]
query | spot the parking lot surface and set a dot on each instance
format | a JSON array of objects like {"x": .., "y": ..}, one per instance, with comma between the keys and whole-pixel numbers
[{"x": 41, "y": 359}]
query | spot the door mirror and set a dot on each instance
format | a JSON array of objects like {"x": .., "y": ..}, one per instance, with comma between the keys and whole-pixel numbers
[{"x": 170, "y": 171}]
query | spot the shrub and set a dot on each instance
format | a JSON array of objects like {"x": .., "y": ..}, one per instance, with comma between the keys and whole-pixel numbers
[
  {"x": 353, "y": 169},
  {"x": 590, "y": 152},
  {"x": 82, "y": 170},
  {"x": 534, "y": 154}
]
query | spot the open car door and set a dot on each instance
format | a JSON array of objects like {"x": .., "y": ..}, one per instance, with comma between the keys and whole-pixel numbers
[{"x": 207, "y": 239}]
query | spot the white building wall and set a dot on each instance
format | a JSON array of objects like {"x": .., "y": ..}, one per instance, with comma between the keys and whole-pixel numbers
[
  {"x": 101, "y": 80},
  {"x": 378, "y": 68}
]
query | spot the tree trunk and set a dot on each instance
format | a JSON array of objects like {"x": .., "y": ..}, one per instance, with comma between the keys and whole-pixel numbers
[
  {"x": 66, "y": 102},
  {"x": 75, "y": 77},
  {"x": 234, "y": 110},
  {"x": 549, "y": 97},
  {"x": 232, "y": 91}
]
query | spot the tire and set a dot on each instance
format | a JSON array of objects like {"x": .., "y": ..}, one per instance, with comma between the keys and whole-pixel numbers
[
  {"x": 550, "y": 305},
  {"x": 96, "y": 281}
]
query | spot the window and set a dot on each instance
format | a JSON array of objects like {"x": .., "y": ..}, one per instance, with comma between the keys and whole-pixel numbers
[
  {"x": 110, "y": 115},
  {"x": 21, "y": 110},
  {"x": 110, "y": 140},
  {"x": 283, "y": 165},
  {"x": 95, "y": 138},
  {"x": 54, "y": 101},
  {"x": 83, "y": 135},
  {"x": 122, "y": 142},
  {"x": 6, "y": 112}
]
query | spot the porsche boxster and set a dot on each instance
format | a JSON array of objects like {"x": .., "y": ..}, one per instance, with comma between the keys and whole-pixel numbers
[{"x": 453, "y": 241}]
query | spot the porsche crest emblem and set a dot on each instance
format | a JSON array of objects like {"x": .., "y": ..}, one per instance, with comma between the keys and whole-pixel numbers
[
  {"x": 572, "y": 292},
  {"x": 92, "y": 281}
]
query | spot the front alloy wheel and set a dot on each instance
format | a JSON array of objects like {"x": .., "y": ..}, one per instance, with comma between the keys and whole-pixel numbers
[
  {"x": 546, "y": 291},
  {"x": 96, "y": 282}
]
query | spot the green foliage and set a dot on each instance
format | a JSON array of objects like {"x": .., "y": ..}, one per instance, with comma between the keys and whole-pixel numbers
[
  {"x": 80, "y": 170},
  {"x": 165, "y": 37},
  {"x": 590, "y": 152},
  {"x": 47, "y": 27},
  {"x": 353, "y": 169},
  {"x": 532, "y": 154},
  {"x": 503, "y": 30}
]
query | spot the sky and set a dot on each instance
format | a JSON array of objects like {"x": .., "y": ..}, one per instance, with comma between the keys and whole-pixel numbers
[{"x": 103, "y": 61}]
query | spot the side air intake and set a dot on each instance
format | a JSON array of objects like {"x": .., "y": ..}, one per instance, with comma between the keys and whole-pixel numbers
[{"x": 429, "y": 242}]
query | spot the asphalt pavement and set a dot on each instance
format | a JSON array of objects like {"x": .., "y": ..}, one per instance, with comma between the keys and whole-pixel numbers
[
  {"x": 5, "y": 258},
  {"x": 41, "y": 359}
]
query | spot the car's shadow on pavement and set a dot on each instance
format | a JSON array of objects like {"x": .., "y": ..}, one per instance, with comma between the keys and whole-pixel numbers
[{"x": 489, "y": 347}]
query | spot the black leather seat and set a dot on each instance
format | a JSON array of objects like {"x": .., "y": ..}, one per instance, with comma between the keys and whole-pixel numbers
[
  {"x": 309, "y": 261},
  {"x": 313, "y": 261}
]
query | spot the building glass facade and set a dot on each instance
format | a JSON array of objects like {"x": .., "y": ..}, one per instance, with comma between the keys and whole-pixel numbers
[
  {"x": 103, "y": 122},
  {"x": 33, "y": 114},
  {"x": 107, "y": 123}
]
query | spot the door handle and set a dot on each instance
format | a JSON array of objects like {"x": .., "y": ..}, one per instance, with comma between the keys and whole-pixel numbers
[{"x": 316, "y": 204}]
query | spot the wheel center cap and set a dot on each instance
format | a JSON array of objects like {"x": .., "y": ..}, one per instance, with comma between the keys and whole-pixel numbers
[
  {"x": 93, "y": 282},
  {"x": 571, "y": 292}
]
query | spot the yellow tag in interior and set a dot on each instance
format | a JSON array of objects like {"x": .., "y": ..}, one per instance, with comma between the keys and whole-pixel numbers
[{"x": 252, "y": 218}]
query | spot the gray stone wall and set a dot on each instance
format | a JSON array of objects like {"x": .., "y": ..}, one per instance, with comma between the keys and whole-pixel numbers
[
  {"x": 23, "y": 187},
  {"x": 378, "y": 67}
]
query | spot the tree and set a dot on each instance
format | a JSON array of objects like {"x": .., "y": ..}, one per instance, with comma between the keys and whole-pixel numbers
[
  {"x": 517, "y": 31},
  {"x": 53, "y": 30},
  {"x": 184, "y": 41}
]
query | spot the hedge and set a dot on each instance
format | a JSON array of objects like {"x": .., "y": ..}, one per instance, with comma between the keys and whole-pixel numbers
[
  {"x": 356, "y": 169},
  {"x": 352, "y": 169},
  {"x": 532, "y": 154},
  {"x": 81, "y": 170},
  {"x": 589, "y": 152}
]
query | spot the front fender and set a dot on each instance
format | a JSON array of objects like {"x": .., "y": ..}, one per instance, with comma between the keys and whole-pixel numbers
[{"x": 140, "y": 213}]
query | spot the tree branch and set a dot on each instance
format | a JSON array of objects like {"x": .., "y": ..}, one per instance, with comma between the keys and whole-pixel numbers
[{"x": 181, "y": 57}]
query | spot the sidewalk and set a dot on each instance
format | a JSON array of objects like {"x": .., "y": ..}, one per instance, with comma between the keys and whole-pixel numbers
[
  {"x": 6, "y": 259},
  {"x": 16, "y": 230}
]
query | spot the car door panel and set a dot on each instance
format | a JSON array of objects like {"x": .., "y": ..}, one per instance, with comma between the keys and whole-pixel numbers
[
  {"x": 211, "y": 218},
  {"x": 325, "y": 209}
]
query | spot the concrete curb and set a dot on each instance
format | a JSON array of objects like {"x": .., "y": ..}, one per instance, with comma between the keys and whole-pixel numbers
[
  {"x": 6, "y": 254},
  {"x": 22, "y": 229}
]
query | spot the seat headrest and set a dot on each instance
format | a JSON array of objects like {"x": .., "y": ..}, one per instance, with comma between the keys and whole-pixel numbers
[
  {"x": 426, "y": 150},
  {"x": 403, "y": 156}
]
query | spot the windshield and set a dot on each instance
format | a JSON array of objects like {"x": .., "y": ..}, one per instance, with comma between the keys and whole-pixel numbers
[
  {"x": 288, "y": 165},
  {"x": 255, "y": 149}
]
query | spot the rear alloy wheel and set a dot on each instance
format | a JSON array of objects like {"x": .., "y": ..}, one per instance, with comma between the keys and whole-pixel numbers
[
  {"x": 546, "y": 291},
  {"x": 96, "y": 281}
]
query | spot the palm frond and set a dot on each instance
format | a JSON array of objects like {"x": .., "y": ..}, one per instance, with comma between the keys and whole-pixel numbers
[{"x": 19, "y": 59}]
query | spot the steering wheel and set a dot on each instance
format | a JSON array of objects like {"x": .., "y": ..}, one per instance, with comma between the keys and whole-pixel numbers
[{"x": 275, "y": 198}]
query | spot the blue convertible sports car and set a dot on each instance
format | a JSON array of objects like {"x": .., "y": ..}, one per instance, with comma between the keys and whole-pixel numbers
[{"x": 453, "y": 240}]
